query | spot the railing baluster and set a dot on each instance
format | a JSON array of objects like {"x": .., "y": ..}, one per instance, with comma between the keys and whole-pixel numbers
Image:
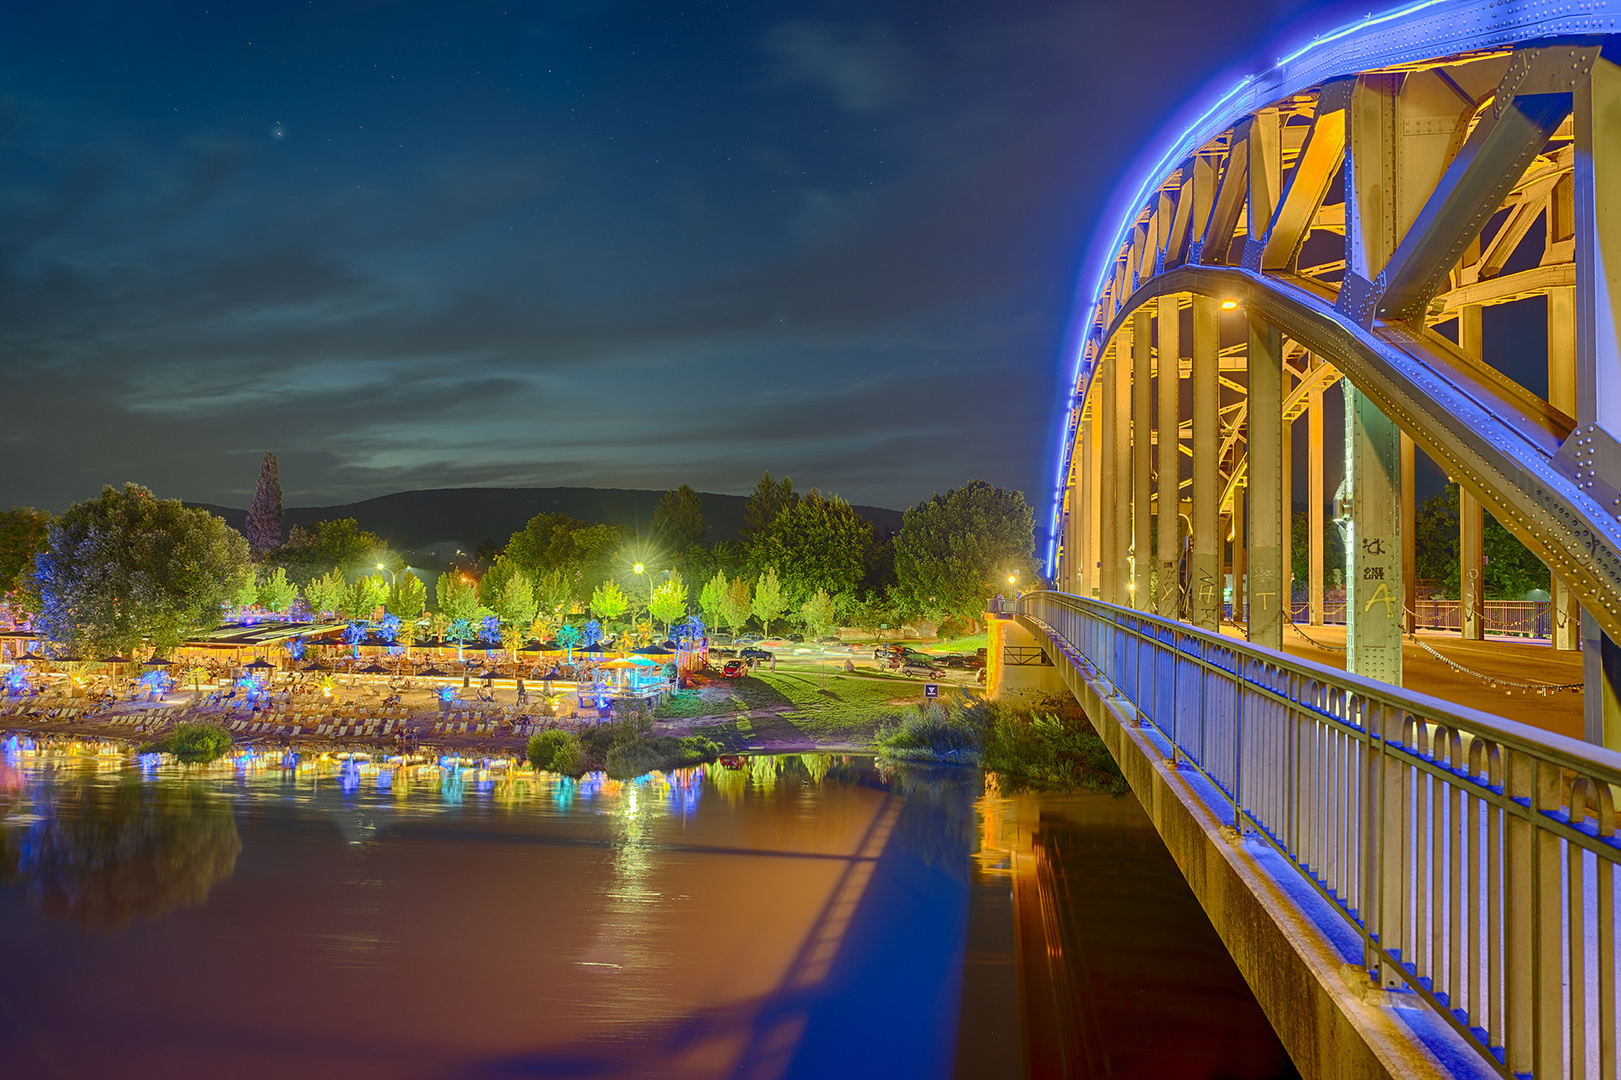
[{"x": 1445, "y": 835}]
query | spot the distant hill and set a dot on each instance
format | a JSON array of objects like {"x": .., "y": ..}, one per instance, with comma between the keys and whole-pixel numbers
[{"x": 447, "y": 519}]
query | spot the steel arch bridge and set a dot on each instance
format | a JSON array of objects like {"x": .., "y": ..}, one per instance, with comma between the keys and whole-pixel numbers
[{"x": 1347, "y": 215}]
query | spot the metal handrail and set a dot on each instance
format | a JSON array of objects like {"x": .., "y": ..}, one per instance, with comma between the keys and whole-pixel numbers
[{"x": 1476, "y": 857}]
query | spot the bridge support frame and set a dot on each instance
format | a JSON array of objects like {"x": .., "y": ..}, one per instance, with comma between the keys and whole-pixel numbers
[
  {"x": 1205, "y": 584},
  {"x": 1142, "y": 386},
  {"x": 1471, "y": 515},
  {"x": 1169, "y": 390},
  {"x": 1373, "y": 615},
  {"x": 1268, "y": 569}
]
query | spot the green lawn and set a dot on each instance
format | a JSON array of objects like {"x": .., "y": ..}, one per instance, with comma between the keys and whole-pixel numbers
[{"x": 822, "y": 704}]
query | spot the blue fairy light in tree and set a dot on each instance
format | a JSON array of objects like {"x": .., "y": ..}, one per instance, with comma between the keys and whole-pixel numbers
[{"x": 569, "y": 636}]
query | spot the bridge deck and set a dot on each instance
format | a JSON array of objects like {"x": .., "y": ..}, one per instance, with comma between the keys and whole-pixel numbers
[{"x": 1515, "y": 659}]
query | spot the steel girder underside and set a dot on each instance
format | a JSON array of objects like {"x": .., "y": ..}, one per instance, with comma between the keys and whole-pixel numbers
[{"x": 1500, "y": 442}]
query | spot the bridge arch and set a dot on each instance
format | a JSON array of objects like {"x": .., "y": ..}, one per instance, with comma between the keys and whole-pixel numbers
[{"x": 1381, "y": 184}]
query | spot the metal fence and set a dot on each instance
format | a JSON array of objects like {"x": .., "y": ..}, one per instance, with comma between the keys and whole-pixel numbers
[
  {"x": 1476, "y": 857},
  {"x": 1521, "y": 618}
]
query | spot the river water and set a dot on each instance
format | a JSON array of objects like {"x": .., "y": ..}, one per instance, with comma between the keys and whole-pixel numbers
[{"x": 804, "y": 916}]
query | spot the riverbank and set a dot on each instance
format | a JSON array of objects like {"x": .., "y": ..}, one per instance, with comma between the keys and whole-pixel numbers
[{"x": 796, "y": 709}]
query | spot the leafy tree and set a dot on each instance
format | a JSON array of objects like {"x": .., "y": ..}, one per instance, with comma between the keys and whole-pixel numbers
[
  {"x": 276, "y": 593},
  {"x": 1511, "y": 570},
  {"x": 553, "y": 595},
  {"x": 569, "y": 636},
  {"x": 818, "y": 614},
  {"x": 581, "y": 552},
  {"x": 679, "y": 519},
  {"x": 407, "y": 596},
  {"x": 488, "y": 550},
  {"x": 247, "y": 594},
  {"x": 609, "y": 601},
  {"x": 874, "y": 613},
  {"x": 515, "y": 607},
  {"x": 264, "y": 513},
  {"x": 1300, "y": 551},
  {"x": 954, "y": 548},
  {"x": 313, "y": 550},
  {"x": 669, "y": 601},
  {"x": 325, "y": 593},
  {"x": 815, "y": 543},
  {"x": 768, "y": 599},
  {"x": 362, "y": 599},
  {"x": 712, "y": 598},
  {"x": 737, "y": 605},
  {"x": 768, "y": 499},
  {"x": 456, "y": 597},
  {"x": 494, "y": 582},
  {"x": 24, "y": 533},
  {"x": 126, "y": 568}
]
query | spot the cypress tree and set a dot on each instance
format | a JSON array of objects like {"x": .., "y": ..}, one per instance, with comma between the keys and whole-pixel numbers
[{"x": 264, "y": 515}]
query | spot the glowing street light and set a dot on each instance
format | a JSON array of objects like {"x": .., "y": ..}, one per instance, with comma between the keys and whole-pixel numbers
[{"x": 1229, "y": 305}]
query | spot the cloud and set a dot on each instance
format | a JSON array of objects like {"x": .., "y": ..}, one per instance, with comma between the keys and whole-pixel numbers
[{"x": 864, "y": 68}]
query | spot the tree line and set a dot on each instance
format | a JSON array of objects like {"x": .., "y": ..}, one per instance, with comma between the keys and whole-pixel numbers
[{"x": 128, "y": 570}]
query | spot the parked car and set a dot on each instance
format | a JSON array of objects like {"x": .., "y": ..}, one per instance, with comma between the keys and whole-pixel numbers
[
  {"x": 734, "y": 669},
  {"x": 960, "y": 661},
  {"x": 830, "y": 640},
  {"x": 797, "y": 639},
  {"x": 888, "y": 652},
  {"x": 720, "y": 639},
  {"x": 749, "y": 639},
  {"x": 915, "y": 668},
  {"x": 764, "y": 656}
]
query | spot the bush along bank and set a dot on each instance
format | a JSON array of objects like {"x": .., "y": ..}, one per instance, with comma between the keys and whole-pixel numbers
[
  {"x": 192, "y": 744},
  {"x": 1026, "y": 751},
  {"x": 624, "y": 748}
]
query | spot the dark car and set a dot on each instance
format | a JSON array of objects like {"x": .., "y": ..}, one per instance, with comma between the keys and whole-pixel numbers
[
  {"x": 797, "y": 639},
  {"x": 762, "y": 655},
  {"x": 734, "y": 669},
  {"x": 888, "y": 652},
  {"x": 960, "y": 661}
]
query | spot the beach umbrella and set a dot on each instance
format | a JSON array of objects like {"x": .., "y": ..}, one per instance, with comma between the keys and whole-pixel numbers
[
  {"x": 261, "y": 663},
  {"x": 433, "y": 673},
  {"x": 653, "y": 650},
  {"x": 489, "y": 676},
  {"x": 116, "y": 660},
  {"x": 374, "y": 669},
  {"x": 157, "y": 661},
  {"x": 315, "y": 665}
]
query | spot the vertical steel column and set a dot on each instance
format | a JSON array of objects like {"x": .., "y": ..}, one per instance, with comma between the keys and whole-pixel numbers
[
  {"x": 1314, "y": 498},
  {"x": 1267, "y": 570},
  {"x": 1093, "y": 525},
  {"x": 1168, "y": 603},
  {"x": 1206, "y": 581},
  {"x": 1471, "y": 515},
  {"x": 1111, "y": 489},
  {"x": 1373, "y": 565},
  {"x": 1240, "y": 519},
  {"x": 1142, "y": 382},
  {"x": 1596, "y": 219},
  {"x": 1409, "y": 531},
  {"x": 1567, "y": 613}
]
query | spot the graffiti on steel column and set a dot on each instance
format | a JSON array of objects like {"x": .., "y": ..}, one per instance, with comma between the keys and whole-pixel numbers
[
  {"x": 1207, "y": 588},
  {"x": 1378, "y": 576},
  {"x": 1264, "y": 597}
]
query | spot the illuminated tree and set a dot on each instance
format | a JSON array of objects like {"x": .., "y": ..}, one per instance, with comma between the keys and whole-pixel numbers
[
  {"x": 325, "y": 593},
  {"x": 669, "y": 601},
  {"x": 818, "y": 614},
  {"x": 737, "y": 605},
  {"x": 407, "y": 596},
  {"x": 816, "y": 542},
  {"x": 126, "y": 568},
  {"x": 712, "y": 598},
  {"x": 247, "y": 594},
  {"x": 569, "y": 636},
  {"x": 515, "y": 607},
  {"x": 362, "y": 599},
  {"x": 768, "y": 600},
  {"x": 609, "y": 601},
  {"x": 276, "y": 593}
]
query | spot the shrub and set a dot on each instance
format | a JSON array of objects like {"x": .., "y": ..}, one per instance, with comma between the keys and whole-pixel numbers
[
  {"x": 193, "y": 744},
  {"x": 1046, "y": 753},
  {"x": 663, "y": 753},
  {"x": 569, "y": 761},
  {"x": 946, "y": 731},
  {"x": 544, "y": 748}
]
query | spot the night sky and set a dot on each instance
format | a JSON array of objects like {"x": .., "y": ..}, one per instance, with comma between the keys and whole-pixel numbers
[{"x": 412, "y": 245}]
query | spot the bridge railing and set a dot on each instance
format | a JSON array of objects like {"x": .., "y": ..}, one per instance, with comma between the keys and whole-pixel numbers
[{"x": 1476, "y": 857}]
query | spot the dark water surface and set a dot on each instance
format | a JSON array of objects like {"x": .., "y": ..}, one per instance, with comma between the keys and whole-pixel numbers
[{"x": 808, "y": 916}]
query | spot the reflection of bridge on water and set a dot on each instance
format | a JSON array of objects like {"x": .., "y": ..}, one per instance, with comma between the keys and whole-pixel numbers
[{"x": 1347, "y": 217}]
